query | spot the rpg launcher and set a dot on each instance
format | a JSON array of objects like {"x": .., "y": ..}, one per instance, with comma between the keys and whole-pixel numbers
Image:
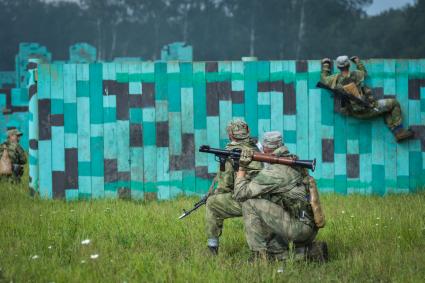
[
  {"x": 345, "y": 95},
  {"x": 235, "y": 154}
]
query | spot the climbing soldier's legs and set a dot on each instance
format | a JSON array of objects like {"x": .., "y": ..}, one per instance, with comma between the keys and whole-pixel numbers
[{"x": 391, "y": 110}]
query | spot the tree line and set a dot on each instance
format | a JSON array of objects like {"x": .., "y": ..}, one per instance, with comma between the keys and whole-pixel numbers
[{"x": 217, "y": 29}]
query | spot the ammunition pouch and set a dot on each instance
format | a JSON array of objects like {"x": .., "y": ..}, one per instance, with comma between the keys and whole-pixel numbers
[{"x": 352, "y": 89}]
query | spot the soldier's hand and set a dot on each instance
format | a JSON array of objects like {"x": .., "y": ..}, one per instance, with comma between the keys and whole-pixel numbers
[
  {"x": 355, "y": 59},
  {"x": 326, "y": 61},
  {"x": 246, "y": 158}
]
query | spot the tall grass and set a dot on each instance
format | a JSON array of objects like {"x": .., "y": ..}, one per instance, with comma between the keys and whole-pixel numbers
[{"x": 371, "y": 239}]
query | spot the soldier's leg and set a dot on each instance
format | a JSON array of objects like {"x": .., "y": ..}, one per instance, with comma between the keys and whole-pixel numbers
[
  {"x": 257, "y": 233},
  {"x": 281, "y": 222},
  {"x": 218, "y": 208},
  {"x": 392, "y": 115}
]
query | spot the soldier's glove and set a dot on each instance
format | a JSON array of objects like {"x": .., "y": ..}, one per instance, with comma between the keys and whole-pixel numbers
[
  {"x": 354, "y": 59},
  {"x": 246, "y": 158}
]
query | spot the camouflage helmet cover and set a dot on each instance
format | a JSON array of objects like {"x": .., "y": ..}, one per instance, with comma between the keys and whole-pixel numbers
[
  {"x": 238, "y": 129},
  {"x": 272, "y": 140}
]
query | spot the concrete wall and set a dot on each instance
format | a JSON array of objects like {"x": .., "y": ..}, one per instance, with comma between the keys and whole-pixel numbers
[{"x": 133, "y": 129}]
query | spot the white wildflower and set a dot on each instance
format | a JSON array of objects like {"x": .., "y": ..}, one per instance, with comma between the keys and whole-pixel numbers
[
  {"x": 35, "y": 257},
  {"x": 83, "y": 261},
  {"x": 352, "y": 216},
  {"x": 376, "y": 224},
  {"x": 85, "y": 242},
  {"x": 94, "y": 256},
  {"x": 280, "y": 270},
  {"x": 343, "y": 212},
  {"x": 49, "y": 247},
  {"x": 377, "y": 218}
]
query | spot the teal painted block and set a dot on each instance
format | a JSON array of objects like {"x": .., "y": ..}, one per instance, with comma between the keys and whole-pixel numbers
[
  {"x": 96, "y": 94},
  {"x": 225, "y": 110},
  {"x": 45, "y": 165},
  {"x": 109, "y": 115},
  {"x": 378, "y": 179},
  {"x": 187, "y": 110},
  {"x": 238, "y": 110},
  {"x": 161, "y": 110},
  {"x": 163, "y": 168},
  {"x": 264, "y": 112},
  {"x": 175, "y": 133},
  {"x": 213, "y": 140},
  {"x": 84, "y": 183},
  {"x": 97, "y": 156},
  {"x": 201, "y": 159},
  {"x": 149, "y": 134},
  {"x": 186, "y": 77},
  {"x": 341, "y": 184},
  {"x": 58, "y": 149},
  {"x": 123, "y": 144},
  {"x": 136, "y": 115},
  {"x": 71, "y": 195},
  {"x": 70, "y": 117},
  {"x": 290, "y": 136},
  {"x": 199, "y": 96},
  {"x": 97, "y": 187},
  {"x": 415, "y": 170},
  {"x": 250, "y": 86},
  {"x": 340, "y": 134},
  {"x": 83, "y": 120},
  {"x": 276, "y": 111}
]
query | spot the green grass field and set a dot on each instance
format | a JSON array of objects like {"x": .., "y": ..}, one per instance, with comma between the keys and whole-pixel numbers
[{"x": 371, "y": 239}]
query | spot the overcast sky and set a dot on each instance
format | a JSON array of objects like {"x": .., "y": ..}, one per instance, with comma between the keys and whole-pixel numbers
[{"x": 379, "y": 6}]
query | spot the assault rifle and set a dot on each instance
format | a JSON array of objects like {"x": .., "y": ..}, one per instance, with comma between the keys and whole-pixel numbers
[
  {"x": 200, "y": 203},
  {"x": 235, "y": 155},
  {"x": 345, "y": 95}
]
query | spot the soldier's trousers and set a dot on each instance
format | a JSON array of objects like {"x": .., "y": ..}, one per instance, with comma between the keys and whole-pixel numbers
[
  {"x": 219, "y": 207},
  {"x": 264, "y": 220},
  {"x": 388, "y": 107}
]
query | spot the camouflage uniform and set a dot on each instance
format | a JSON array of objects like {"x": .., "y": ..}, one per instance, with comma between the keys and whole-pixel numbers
[
  {"x": 387, "y": 107},
  {"x": 275, "y": 205},
  {"x": 220, "y": 204},
  {"x": 16, "y": 154}
]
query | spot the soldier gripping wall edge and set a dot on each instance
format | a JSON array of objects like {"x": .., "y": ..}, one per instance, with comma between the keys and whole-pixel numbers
[{"x": 352, "y": 84}]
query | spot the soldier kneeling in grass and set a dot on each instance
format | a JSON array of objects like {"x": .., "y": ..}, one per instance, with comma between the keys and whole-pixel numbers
[
  {"x": 13, "y": 157},
  {"x": 280, "y": 204}
]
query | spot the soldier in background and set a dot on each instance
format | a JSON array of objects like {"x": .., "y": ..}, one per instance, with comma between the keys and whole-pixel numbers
[
  {"x": 220, "y": 204},
  {"x": 16, "y": 153},
  {"x": 275, "y": 205},
  {"x": 353, "y": 83}
]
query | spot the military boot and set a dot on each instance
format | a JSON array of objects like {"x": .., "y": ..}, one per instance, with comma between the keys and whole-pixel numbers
[
  {"x": 257, "y": 255},
  {"x": 213, "y": 250},
  {"x": 317, "y": 251},
  {"x": 403, "y": 134}
]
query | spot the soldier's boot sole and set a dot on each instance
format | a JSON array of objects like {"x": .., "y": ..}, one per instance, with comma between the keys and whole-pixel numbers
[{"x": 318, "y": 252}]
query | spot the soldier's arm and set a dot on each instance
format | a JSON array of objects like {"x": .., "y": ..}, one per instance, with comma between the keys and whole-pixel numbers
[
  {"x": 246, "y": 189},
  {"x": 325, "y": 75},
  {"x": 361, "y": 71},
  {"x": 22, "y": 157}
]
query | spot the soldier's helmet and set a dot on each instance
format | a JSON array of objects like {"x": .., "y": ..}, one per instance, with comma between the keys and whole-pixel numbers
[
  {"x": 272, "y": 140},
  {"x": 342, "y": 61},
  {"x": 12, "y": 132},
  {"x": 238, "y": 128}
]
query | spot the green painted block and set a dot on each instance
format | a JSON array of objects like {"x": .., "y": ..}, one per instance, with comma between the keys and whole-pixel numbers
[
  {"x": 123, "y": 77},
  {"x": 83, "y": 89}
]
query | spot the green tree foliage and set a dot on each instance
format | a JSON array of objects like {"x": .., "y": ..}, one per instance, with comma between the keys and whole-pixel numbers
[{"x": 217, "y": 29}]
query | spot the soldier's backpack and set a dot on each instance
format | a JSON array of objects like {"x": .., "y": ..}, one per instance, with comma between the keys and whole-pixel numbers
[
  {"x": 319, "y": 216},
  {"x": 5, "y": 163}
]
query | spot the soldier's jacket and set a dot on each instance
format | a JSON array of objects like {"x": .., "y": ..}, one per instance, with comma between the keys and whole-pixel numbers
[
  {"x": 337, "y": 81},
  {"x": 16, "y": 152},
  {"x": 226, "y": 179},
  {"x": 277, "y": 183}
]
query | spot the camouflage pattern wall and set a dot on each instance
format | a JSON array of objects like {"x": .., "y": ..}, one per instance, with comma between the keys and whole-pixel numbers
[{"x": 132, "y": 130}]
